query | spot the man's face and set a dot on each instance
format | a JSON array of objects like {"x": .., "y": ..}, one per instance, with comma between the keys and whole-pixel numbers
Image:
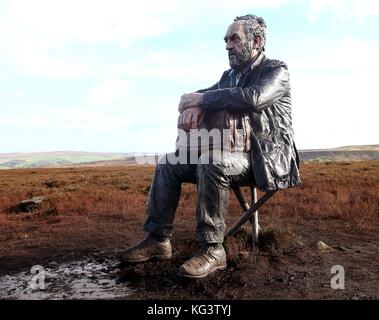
[{"x": 240, "y": 49}]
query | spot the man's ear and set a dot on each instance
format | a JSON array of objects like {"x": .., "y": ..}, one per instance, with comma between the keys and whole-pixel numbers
[{"x": 257, "y": 43}]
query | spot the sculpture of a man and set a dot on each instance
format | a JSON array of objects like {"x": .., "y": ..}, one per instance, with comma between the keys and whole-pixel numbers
[{"x": 252, "y": 101}]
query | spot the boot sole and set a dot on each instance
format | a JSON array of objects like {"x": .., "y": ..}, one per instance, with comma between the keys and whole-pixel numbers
[
  {"x": 220, "y": 268},
  {"x": 156, "y": 258}
]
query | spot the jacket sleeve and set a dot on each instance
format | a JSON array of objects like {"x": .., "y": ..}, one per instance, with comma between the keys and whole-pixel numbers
[
  {"x": 272, "y": 85},
  {"x": 214, "y": 87}
]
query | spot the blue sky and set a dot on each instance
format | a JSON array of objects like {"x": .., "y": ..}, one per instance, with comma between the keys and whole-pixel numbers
[{"x": 108, "y": 75}]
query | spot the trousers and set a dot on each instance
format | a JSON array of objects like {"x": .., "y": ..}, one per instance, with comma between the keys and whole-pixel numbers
[{"x": 214, "y": 173}]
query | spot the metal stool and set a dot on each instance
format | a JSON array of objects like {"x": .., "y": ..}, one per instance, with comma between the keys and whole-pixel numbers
[{"x": 250, "y": 213}]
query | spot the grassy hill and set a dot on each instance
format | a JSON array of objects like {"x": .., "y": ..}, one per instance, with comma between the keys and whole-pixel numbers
[
  {"x": 54, "y": 159},
  {"x": 77, "y": 158},
  {"x": 350, "y": 153}
]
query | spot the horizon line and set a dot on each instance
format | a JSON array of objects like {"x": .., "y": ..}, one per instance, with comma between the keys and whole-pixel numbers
[{"x": 154, "y": 152}]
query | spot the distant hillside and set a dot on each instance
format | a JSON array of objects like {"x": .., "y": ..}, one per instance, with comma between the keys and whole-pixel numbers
[
  {"x": 350, "y": 153},
  {"x": 75, "y": 158},
  {"x": 54, "y": 159}
]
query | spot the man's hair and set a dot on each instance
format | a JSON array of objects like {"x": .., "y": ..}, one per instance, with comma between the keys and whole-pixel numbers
[{"x": 254, "y": 27}]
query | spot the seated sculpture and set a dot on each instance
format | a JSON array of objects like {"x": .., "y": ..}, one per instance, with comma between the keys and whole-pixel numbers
[{"x": 252, "y": 104}]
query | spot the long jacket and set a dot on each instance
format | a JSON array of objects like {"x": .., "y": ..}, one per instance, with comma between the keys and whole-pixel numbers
[{"x": 264, "y": 93}]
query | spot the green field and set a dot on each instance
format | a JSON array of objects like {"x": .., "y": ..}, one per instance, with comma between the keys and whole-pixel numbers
[{"x": 52, "y": 160}]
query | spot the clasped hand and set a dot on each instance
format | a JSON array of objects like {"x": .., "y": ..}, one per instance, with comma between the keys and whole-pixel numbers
[{"x": 190, "y": 110}]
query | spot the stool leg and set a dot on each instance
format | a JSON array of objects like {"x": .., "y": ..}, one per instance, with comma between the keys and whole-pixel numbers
[
  {"x": 254, "y": 220},
  {"x": 244, "y": 204}
]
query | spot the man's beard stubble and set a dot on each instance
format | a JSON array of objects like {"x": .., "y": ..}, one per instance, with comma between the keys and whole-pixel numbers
[{"x": 238, "y": 60}]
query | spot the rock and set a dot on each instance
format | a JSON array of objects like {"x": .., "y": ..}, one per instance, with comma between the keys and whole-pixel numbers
[
  {"x": 71, "y": 188},
  {"x": 51, "y": 212},
  {"x": 300, "y": 243},
  {"x": 244, "y": 254},
  {"x": 53, "y": 183},
  {"x": 360, "y": 296},
  {"x": 31, "y": 204},
  {"x": 322, "y": 246}
]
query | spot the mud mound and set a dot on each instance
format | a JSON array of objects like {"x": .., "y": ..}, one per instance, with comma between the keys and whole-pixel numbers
[
  {"x": 159, "y": 279},
  {"x": 273, "y": 243},
  {"x": 279, "y": 242}
]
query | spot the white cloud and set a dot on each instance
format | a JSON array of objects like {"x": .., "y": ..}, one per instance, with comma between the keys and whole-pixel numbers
[
  {"x": 39, "y": 63},
  {"x": 37, "y": 33},
  {"x": 12, "y": 94},
  {"x": 335, "y": 96},
  {"x": 87, "y": 121},
  {"x": 332, "y": 88},
  {"x": 349, "y": 55},
  {"x": 181, "y": 67},
  {"x": 343, "y": 10},
  {"x": 229, "y": 6},
  {"x": 53, "y": 23},
  {"x": 49, "y": 23},
  {"x": 108, "y": 91},
  {"x": 67, "y": 119}
]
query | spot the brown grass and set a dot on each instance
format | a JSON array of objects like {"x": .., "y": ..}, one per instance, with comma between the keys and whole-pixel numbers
[{"x": 101, "y": 207}]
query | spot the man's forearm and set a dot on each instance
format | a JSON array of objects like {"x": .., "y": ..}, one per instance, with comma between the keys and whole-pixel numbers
[{"x": 190, "y": 100}]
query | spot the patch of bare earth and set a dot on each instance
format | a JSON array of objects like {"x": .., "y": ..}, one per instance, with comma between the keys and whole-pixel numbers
[{"x": 90, "y": 212}]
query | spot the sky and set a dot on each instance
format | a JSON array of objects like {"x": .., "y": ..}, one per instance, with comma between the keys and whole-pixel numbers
[{"x": 107, "y": 75}]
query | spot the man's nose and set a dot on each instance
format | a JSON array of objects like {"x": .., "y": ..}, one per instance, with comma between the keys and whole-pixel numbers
[{"x": 229, "y": 45}]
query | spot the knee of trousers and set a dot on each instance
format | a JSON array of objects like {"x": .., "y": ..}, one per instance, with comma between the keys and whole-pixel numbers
[{"x": 211, "y": 169}]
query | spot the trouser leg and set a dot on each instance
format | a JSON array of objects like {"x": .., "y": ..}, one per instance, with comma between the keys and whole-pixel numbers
[
  {"x": 165, "y": 193},
  {"x": 216, "y": 173}
]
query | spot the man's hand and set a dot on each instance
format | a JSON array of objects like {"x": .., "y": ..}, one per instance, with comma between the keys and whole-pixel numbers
[
  {"x": 190, "y": 100},
  {"x": 190, "y": 119}
]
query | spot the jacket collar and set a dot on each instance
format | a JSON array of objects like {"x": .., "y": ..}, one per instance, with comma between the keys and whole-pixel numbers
[{"x": 258, "y": 61}]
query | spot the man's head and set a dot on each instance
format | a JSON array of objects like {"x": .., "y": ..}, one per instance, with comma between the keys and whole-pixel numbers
[{"x": 245, "y": 39}]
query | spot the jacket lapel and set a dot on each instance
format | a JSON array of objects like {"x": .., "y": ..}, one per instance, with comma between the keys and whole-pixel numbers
[{"x": 253, "y": 70}]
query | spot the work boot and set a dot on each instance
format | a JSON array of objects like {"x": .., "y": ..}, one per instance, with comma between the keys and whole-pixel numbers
[
  {"x": 209, "y": 259},
  {"x": 145, "y": 250}
]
